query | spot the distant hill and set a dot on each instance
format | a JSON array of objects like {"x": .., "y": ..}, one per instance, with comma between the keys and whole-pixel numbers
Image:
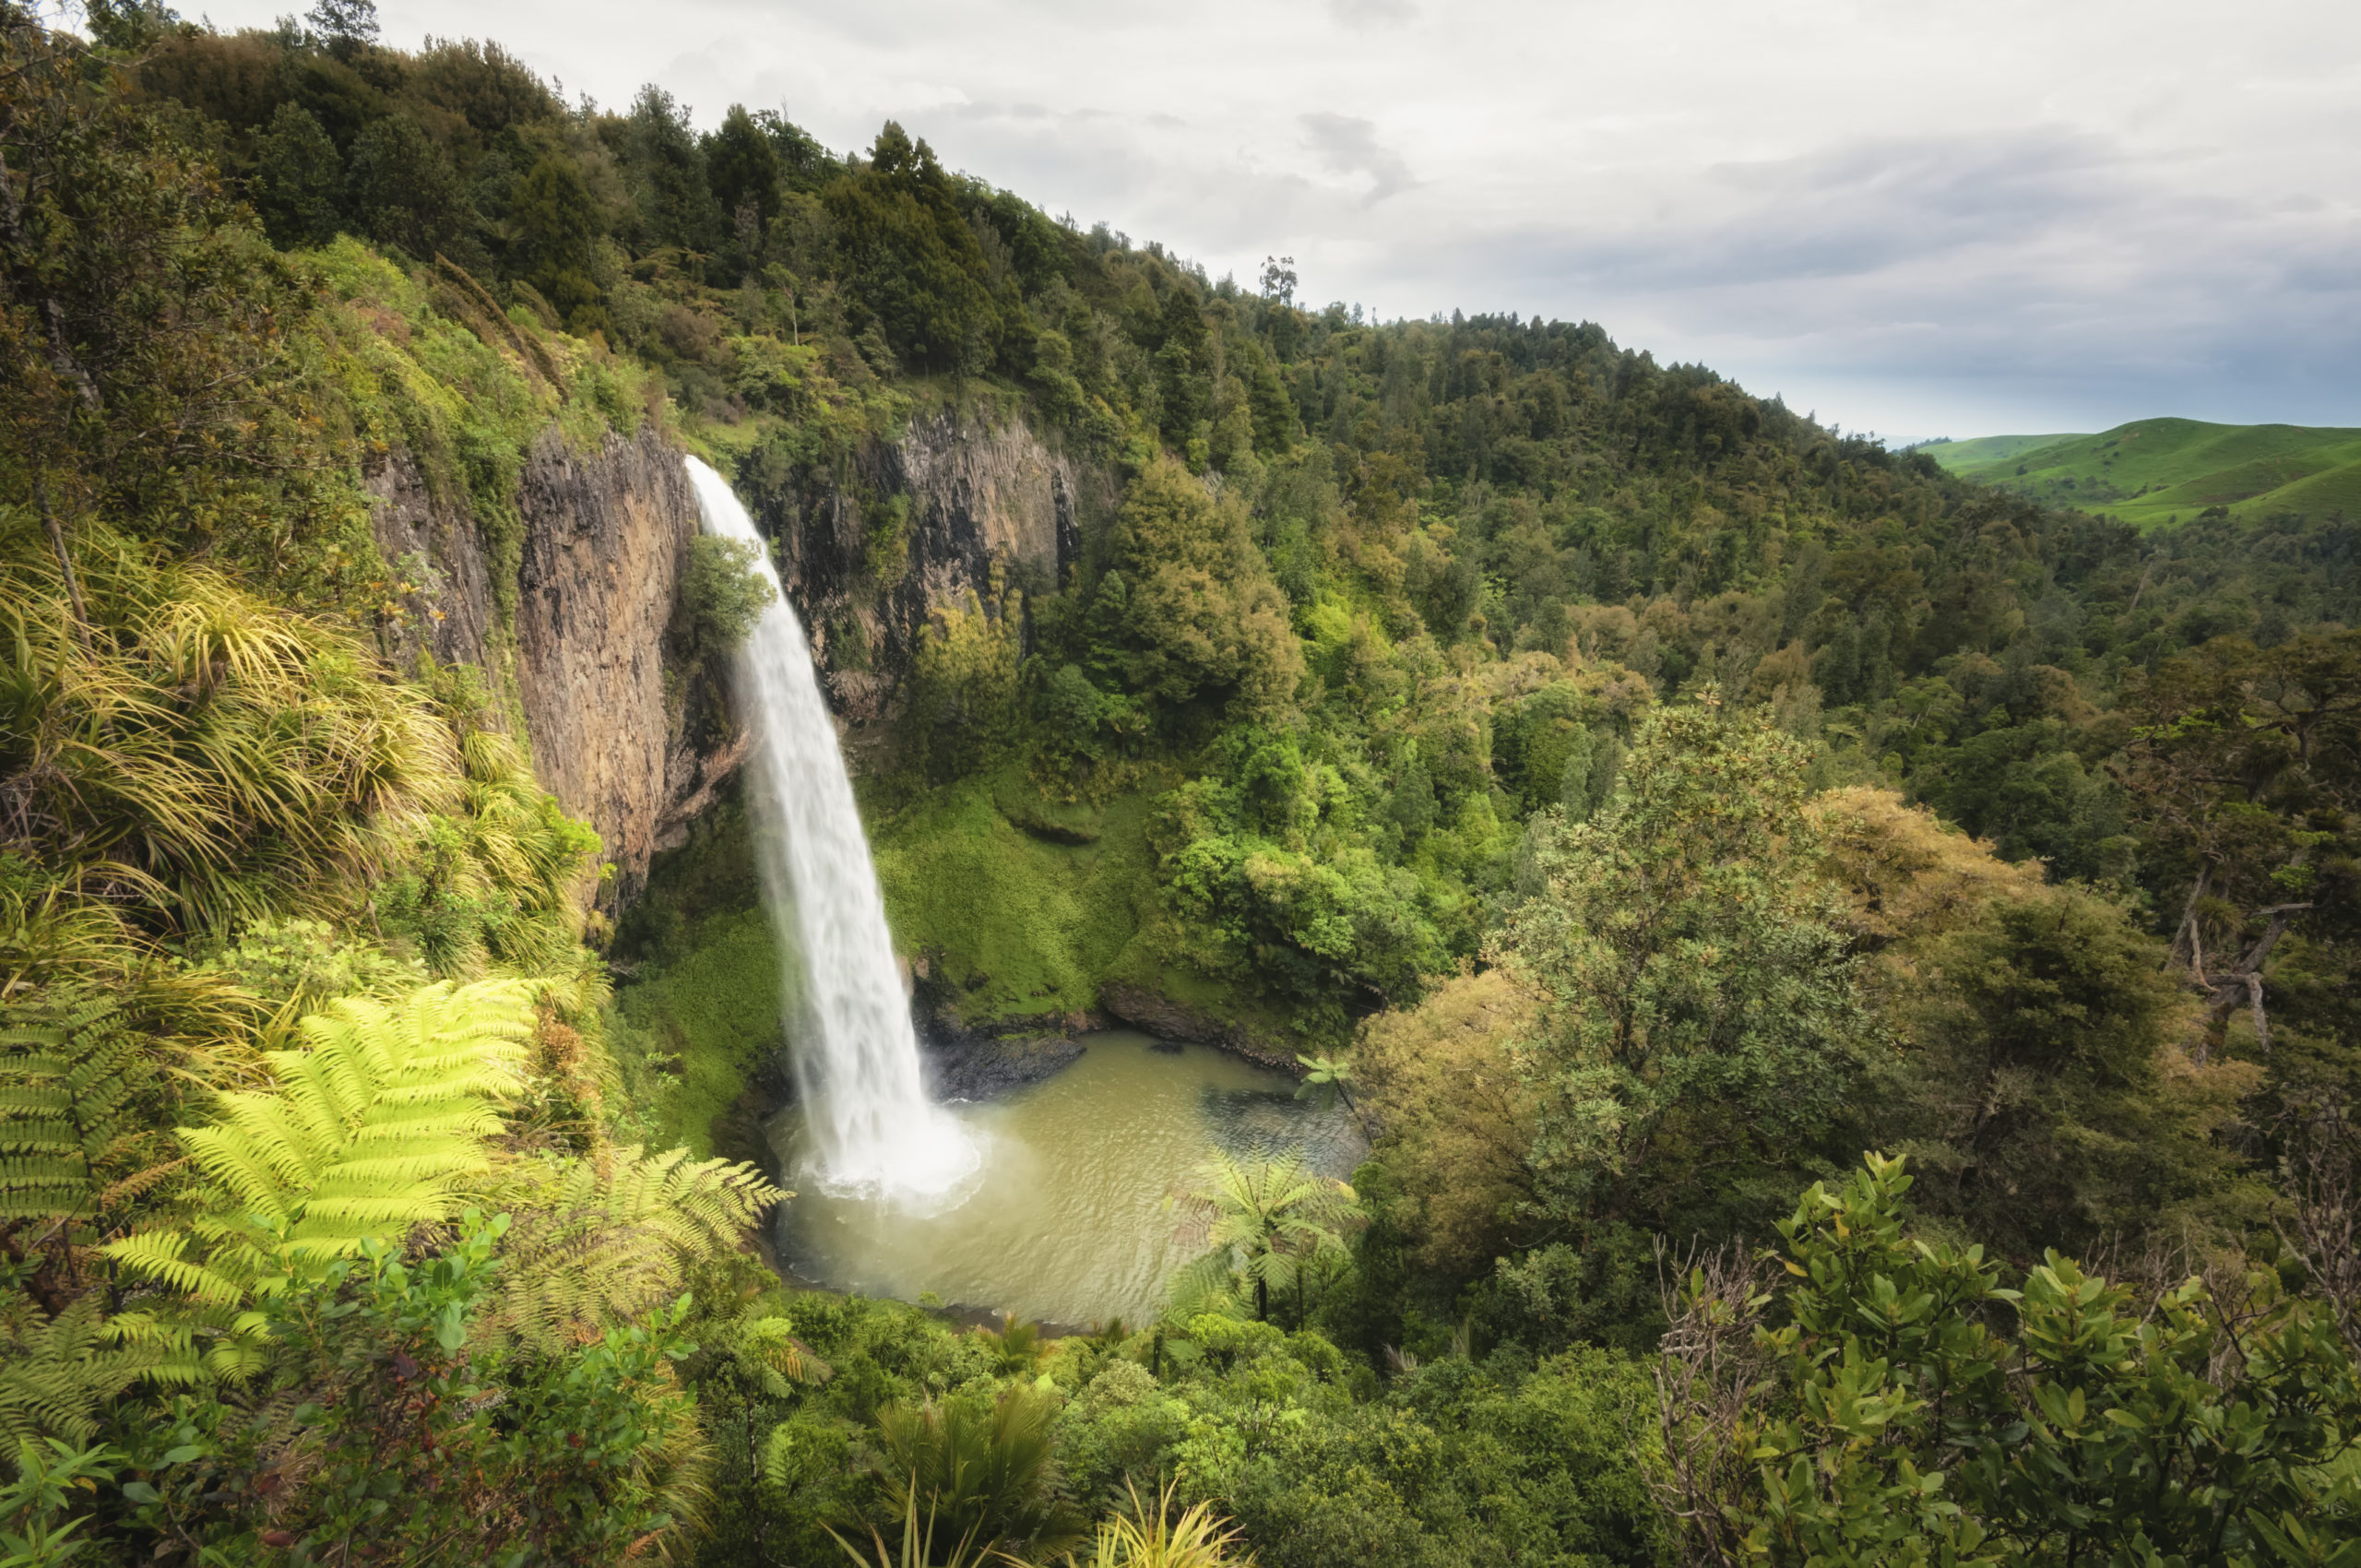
[
  {"x": 1959, "y": 455},
  {"x": 2156, "y": 470}
]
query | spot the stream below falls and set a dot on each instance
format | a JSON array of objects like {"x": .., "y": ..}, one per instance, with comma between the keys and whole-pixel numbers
[{"x": 1066, "y": 1220}]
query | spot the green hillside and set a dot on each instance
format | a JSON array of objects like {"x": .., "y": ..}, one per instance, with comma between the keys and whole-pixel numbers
[
  {"x": 2158, "y": 470},
  {"x": 1957, "y": 456}
]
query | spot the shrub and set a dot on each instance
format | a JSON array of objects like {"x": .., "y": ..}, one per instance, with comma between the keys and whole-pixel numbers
[{"x": 724, "y": 592}]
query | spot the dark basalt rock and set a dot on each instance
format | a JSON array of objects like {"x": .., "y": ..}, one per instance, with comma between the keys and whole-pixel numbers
[
  {"x": 961, "y": 1064},
  {"x": 605, "y": 535},
  {"x": 1152, "y": 1012}
]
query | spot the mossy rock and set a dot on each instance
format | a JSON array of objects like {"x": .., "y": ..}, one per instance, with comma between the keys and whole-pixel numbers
[
  {"x": 1023, "y": 923},
  {"x": 1036, "y": 815}
]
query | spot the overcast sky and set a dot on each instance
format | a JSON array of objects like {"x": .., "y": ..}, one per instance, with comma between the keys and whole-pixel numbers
[{"x": 1917, "y": 218}]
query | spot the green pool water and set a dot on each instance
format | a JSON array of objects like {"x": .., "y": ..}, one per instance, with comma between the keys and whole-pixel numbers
[{"x": 1067, "y": 1219}]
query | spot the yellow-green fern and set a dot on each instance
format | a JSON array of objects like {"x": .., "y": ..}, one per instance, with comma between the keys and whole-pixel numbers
[{"x": 370, "y": 1130}]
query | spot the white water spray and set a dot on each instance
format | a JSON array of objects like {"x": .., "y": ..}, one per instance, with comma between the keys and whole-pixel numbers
[{"x": 871, "y": 1128}]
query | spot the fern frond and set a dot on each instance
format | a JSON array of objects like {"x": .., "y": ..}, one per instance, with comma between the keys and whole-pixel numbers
[
  {"x": 72, "y": 1142},
  {"x": 164, "y": 1255},
  {"x": 56, "y": 1375},
  {"x": 587, "y": 1249},
  {"x": 367, "y": 1132}
]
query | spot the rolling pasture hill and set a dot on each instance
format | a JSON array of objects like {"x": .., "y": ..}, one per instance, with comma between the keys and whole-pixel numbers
[
  {"x": 1984, "y": 452},
  {"x": 2158, "y": 470}
]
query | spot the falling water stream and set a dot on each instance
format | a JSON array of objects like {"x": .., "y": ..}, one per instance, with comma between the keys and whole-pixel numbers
[{"x": 871, "y": 1129}]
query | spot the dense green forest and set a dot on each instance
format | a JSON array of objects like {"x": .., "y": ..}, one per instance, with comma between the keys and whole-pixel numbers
[{"x": 1850, "y": 973}]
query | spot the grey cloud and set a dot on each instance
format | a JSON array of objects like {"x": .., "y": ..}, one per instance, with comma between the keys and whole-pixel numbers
[
  {"x": 1348, "y": 144},
  {"x": 2049, "y": 270}
]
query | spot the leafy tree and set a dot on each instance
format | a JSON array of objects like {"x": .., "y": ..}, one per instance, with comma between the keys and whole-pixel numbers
[
  {"x": 301, "y": 179},
  {"x": 1316, "y": 933},
  {"x": 2053, "y": 1104},
  {"x": 402, "y": 189},
  {"x": 590, "y": 1451},
  {"x": 479, "y": 82},
  {"x": 138, "y": 325},
  {"x": 1275, "y": 422},
  {"x": 665, "y": 169},
  {"x": 913, "y": 261},
  {"x": 2245, "y": 766},
  {"x": 1442, "y": 1080},
  {"x": 2207, "y": 1419},
  {"x": 1692, "y": 964},
  {"x": 346, "y": 25},
  {"x": 742, "y": 167},
  {"x": 964, "y": 683},
  {"x": 1202, "y": 619},
  {"x": 1410, "y": 804},
  {"x": 556, "y": 220},
  {"x": 724, "y": 593},
  {"x": 1073, "y": 711}
]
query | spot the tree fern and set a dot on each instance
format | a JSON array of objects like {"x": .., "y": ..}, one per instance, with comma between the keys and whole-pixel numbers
[
  {"x": 1261, "y": 1221},
  {"x": 591, "y": 1246},
  {"x": 370, "y": 1130}
]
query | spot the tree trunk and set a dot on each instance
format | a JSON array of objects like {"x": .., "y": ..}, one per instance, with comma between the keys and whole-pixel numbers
[
  {"x": 2185, "y": 949},
  {"x": 2244, "y": 980},
  {"x": 56, "y": 533}
]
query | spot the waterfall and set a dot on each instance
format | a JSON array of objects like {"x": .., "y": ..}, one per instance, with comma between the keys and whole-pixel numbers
[{"x": 871, "y": 1127}]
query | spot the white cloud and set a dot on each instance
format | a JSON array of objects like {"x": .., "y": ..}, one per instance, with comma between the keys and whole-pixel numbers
[{"x": 1920, "y": 219}]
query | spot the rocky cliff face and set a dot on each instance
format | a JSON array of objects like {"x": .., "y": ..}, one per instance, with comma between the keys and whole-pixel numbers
[
  {"x": 585, "y": 664},
  {"x": 870, "y": 550},
  {"x": 582, "y": 664}
]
